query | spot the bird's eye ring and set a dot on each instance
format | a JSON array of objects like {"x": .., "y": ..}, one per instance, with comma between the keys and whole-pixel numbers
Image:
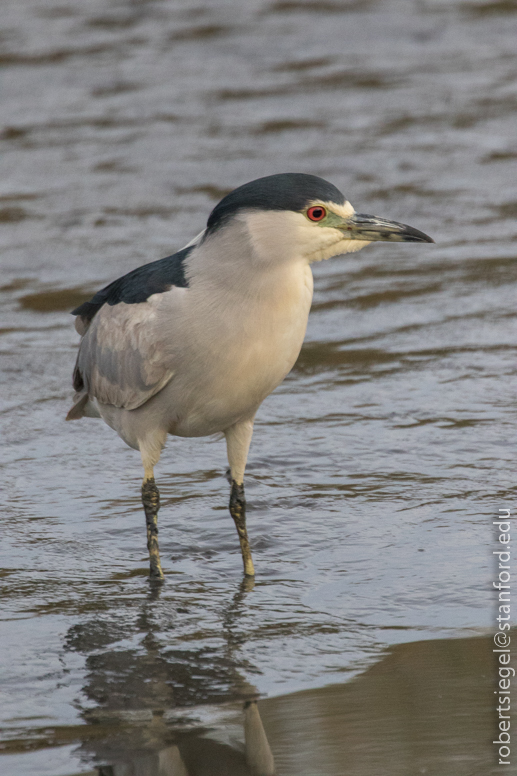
[{"x": 316, "y": 213}]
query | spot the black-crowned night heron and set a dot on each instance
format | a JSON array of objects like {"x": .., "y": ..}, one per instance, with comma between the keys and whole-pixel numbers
[{"x": 192, "y": 344}]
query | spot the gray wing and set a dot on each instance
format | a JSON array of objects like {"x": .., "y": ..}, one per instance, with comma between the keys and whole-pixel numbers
[{"x": 121, "y": 361}]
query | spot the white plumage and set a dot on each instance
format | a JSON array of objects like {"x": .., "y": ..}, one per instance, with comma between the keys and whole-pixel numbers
[{"x": 198, "y": 358}]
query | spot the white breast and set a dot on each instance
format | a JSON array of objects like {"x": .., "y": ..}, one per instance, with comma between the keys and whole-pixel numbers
[{"x": 242, "y": 331}]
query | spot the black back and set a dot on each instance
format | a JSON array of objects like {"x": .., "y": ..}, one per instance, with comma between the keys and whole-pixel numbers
[
  {"x": 139, "y": 284},
  {"x": 285, "y": 191}
]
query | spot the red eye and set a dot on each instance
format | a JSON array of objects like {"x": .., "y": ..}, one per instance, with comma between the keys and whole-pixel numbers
[{"x": 316, "y": 213}]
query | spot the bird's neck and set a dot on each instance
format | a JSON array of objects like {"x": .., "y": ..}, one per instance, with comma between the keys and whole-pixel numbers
[
  {"x": 228, "y": 266},
  {"x": 242, "y": 298}
]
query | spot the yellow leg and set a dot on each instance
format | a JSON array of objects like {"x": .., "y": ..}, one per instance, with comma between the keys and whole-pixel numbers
[
  {"x": 238, "y": 438},
  {"x": 151, "y": 502},
  {"x": 238, "y": 512}
]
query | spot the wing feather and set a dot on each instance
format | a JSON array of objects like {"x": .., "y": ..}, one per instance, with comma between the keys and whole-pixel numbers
[{"x": 120, "y": 360}]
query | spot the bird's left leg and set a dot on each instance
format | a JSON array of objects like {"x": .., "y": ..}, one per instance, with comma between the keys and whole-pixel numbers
[
  {"x": 238, "y": 438},
  {"x": 151, "y": 502}
]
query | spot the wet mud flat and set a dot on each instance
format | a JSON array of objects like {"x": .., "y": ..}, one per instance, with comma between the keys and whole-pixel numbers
[{"x": 377, "y": 467}]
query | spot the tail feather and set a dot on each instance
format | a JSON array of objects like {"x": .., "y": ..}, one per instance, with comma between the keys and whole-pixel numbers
[{"x": 78, "y": 410}]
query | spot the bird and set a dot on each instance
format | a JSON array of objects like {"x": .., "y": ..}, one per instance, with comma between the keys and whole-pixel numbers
[{"x": 190, "y": 345}]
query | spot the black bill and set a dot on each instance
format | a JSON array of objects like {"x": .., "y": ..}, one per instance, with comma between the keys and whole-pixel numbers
[{"x": 362, "y": 226}]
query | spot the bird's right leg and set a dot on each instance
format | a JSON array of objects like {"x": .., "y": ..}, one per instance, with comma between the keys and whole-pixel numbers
[
  {"x": 151, "y": 502},
  {"x": 238, "y": 439}
]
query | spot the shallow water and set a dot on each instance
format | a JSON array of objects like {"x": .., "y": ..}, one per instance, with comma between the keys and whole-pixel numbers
[
  {"x": 375, "y": 469},
  {"x": 424, "y": 708}
]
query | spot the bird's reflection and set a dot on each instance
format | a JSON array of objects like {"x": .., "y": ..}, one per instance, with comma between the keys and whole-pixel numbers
[
  {"x": 197, "y": 756},
  {"x": 143, "y": 695}
]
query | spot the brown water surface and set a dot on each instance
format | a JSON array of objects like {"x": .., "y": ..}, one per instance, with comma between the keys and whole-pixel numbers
[{"x": 376, "y": 468}]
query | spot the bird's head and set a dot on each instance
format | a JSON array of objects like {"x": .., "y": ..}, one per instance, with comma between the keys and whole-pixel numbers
[{"x": 298, "y": 215}]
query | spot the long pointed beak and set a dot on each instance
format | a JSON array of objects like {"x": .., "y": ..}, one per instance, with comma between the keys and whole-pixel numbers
[{"x": 362, "y": 226}]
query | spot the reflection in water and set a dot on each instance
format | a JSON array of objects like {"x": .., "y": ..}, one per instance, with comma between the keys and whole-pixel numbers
[
  {"x": 196, "y": 756},
  {"x": 147, "y": 697},
  {"x": 426, "y": 708}
]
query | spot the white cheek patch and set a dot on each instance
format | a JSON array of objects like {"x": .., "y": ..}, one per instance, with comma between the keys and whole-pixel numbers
[
  {"x": 338, "y": 247},
  {"x": 351, "y": 246},
  {"x": 276, "y": 234},
  {"x": 283, "y": 235},
  {"x": 338, "y": 243}
]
